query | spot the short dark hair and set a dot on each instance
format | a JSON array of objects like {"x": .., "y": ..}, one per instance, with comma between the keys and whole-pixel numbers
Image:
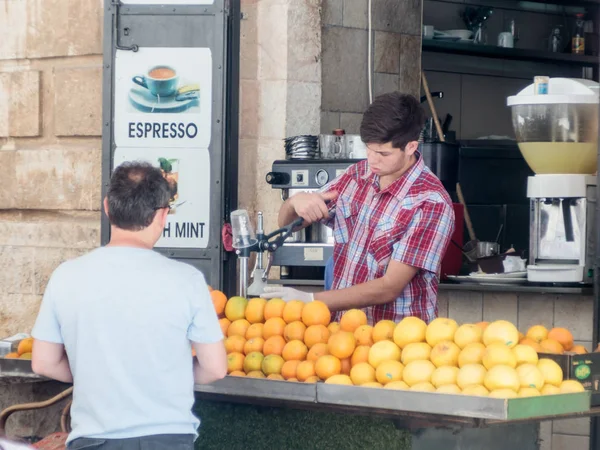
[
  {"x": 137, "y": 190},
  {"x": 394, "y": 117}
]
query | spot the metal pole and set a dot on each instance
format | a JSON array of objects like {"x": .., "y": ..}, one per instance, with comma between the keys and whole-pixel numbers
[
  {"x": 243, "y": 290},
  {"x": 595, "y": 421}
]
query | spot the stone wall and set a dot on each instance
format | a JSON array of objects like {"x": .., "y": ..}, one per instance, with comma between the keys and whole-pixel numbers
[
  {"x": 396, "y": 51},
  {"x": 50, "y": 147}
]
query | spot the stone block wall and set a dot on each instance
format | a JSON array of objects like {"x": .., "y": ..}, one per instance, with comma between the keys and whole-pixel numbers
[
  {"x": 50, "y": 145},
  {"x": 573, "y": 312},
  {"x": 396, "y": 56}
]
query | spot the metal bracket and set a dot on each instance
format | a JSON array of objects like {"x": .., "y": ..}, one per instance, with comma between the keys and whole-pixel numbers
[{"x": 134, "y": 48}]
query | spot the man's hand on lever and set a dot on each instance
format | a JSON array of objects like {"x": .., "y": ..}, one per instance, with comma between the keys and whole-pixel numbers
[
  {"x": 287, "y": 294},
  {"x": 312, "y": 207}
]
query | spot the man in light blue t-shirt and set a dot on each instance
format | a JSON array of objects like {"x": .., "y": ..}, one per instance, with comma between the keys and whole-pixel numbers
[{"x": 118, "y": 323}]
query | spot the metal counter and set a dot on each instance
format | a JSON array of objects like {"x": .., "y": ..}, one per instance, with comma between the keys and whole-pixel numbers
[
  {"x": 14, "y": 371},
  {"x": 423, "y": 407}
]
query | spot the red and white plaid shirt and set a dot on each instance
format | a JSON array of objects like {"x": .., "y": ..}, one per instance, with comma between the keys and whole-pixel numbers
[{"x": 410, "y": 221}]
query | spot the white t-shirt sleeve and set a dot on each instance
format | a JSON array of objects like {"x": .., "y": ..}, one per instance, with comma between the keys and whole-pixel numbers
[
  {"x": 205, "y": 328},
  {"x": 47, "y": 327}
]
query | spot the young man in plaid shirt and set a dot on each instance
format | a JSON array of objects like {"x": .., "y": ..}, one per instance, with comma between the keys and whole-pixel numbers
[{"x": 392, "y": 221}]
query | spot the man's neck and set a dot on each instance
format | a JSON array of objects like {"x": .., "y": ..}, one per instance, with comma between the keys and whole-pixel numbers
[
  {"x": 386, "y": 180},
  {"x": 123, "y": 238}
]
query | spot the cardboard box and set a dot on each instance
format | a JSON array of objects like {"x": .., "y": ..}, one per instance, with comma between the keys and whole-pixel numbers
[{"x": 583, "y": 368}]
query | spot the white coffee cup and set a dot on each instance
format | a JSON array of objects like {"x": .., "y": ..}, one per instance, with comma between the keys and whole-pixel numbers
[
  {"x": 505, "y": 39},
  {"x": 357, "y": 149}
]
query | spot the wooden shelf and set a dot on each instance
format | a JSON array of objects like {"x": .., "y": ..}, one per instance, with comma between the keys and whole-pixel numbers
[{"x": 491, "y": 51}]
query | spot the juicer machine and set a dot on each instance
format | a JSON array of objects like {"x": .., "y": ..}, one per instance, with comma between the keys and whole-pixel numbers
[{"x": 557, "y": 134}]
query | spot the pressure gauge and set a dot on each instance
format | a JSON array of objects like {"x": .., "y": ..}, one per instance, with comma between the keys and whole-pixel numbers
[{"x": 321, "y": 177}]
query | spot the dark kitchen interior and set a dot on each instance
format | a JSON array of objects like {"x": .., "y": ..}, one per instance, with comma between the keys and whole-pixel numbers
[{"x": 475, "y": 79}]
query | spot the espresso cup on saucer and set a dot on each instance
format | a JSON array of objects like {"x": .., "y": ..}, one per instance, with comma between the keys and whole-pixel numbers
[{"x": 161, "y": 81}]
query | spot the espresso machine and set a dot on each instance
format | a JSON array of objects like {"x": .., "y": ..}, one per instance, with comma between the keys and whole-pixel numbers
[
  {"x": 302, "y": 257},
  {"x": 557, "y": 133}
]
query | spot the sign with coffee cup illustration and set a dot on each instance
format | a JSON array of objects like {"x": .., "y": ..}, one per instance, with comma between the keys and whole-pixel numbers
[
  {"x": 163, "y": 97},
  {"x": 187, "y": 171}
]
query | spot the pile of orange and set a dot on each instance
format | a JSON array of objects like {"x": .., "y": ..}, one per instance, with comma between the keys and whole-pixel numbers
[
  {"x": 295, "y": 341},
  {"x": 24, "y": 349}
]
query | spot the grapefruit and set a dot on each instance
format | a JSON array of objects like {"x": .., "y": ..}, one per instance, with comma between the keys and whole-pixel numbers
[
  {"x": 439, "y": 330},
  {"x": 470, "y": 375},
  {"x": 498, "y": 354},
  {"x": 528, "y": 392},
  {"x": 501, "y": 332},
  {"x": 525, "y": 355},
  {"x": 571, "y": 386},
  {"x": 502, "y": 377},
  {"x": 415, "y": 351},
  {"x": 467, "y": 334},
  {"x": 444, "y": 375},
  {"x": 383, "y": 351},
  {"x": 530, "y": 376},
  {"x": 423, "y": 387},
  {"x": 503, "y": 393},
  {"x": 445, "y": 353},
  {"x": 389, "y": 371},
  {"x": 409, "y": 330},
  {"x": 551, "y": 371},
  {"x": 397, "y": 385},
  {"x": 477, "y": 390},
  {"x": 471, "y": 354},
  {"x": 537, "y": 333},
  {"x": 448, "y": 389},
  {"x": 418, "y": 372}
]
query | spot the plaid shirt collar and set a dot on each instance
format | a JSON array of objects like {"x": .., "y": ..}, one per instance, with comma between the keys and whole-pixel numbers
[{"x": 399, "y": 188}]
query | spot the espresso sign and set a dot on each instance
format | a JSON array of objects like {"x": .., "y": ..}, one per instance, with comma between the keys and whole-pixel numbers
[
  {"x": 188, "y": 174},
  {"x": 163, "y": 97}
]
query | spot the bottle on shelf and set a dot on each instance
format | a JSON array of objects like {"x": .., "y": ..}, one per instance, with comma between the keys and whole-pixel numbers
[{"x": 578, "y": 40}]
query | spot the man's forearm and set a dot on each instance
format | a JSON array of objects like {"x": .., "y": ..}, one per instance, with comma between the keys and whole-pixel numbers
[
  {"x": 286, "y": 214},
  {"x": 203, "y": 376},
  {"x": 60, "y": 371}
]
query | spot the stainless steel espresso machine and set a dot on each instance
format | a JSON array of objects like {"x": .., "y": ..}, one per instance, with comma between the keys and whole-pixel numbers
[{"x": 302, "y": 258}]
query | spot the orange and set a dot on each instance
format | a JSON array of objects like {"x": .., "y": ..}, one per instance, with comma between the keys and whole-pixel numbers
[
  {"x": 537, "y": 333},
  {"x": 313, "y": 379},
  {"x": 562, "y": 336},
  {"x": 364, "y": 335},
  {"x": 272, "y": 364},
  {"x": 209, "y": 287},
  {"x": 316, "y": 313},
  {"x": 341, "y": 344},
  {"x": 552, "y": 346},
  {"x": 293, "y": 311},
  {"x": 275, "y": 376},
  {"x": 254, "y": 330},
  {"x": 224, "y": 322},
  {"x": 579, "y": 349},
  {"x": 238, "y": 373},
  {"x": 274, "y": 345},
  {"x": 531, "y": 343},
  {"x": 294, "y": 350},
  {"x": 383, "y": 330},
  {"x": 339, "y": 379},
  {"x": 254, "y": 345},
  {"x": 238, "y": 328},
  {"x": 255, "y": 311},
  {"x": 305, "y": 370},
  {"x": 353, "y": 319},
  {"x": 316, "y": 351},
  {"x": 235, "y": 308},
  {"x": 253, "y": 361},
  {"x": 294, "y": 331},
  {"x": 346, "y": 366},
  {"x": 235, "y": 362},
  {"x": 328, "y": 366},
  {"x": 362, "y": 373},
  {"x": 12, "y": 355},
  {"x": 482, "y": 325},
  {"x": 219, "y": 300},
  {"x": 255, "y": 374},
  {"x": 25, "y": 346},
  {"x": 274, "y": 308},
  {"x": 316, "y": 334},
  {"x": 361, "y": 354},
  {"x": 288, "y": 370},
  {"x": 235, "y": 344},
  {"x": 193, "y": 352},
  {"x": 334, "y": 327},
  {"x": 273, "y": 327}
]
